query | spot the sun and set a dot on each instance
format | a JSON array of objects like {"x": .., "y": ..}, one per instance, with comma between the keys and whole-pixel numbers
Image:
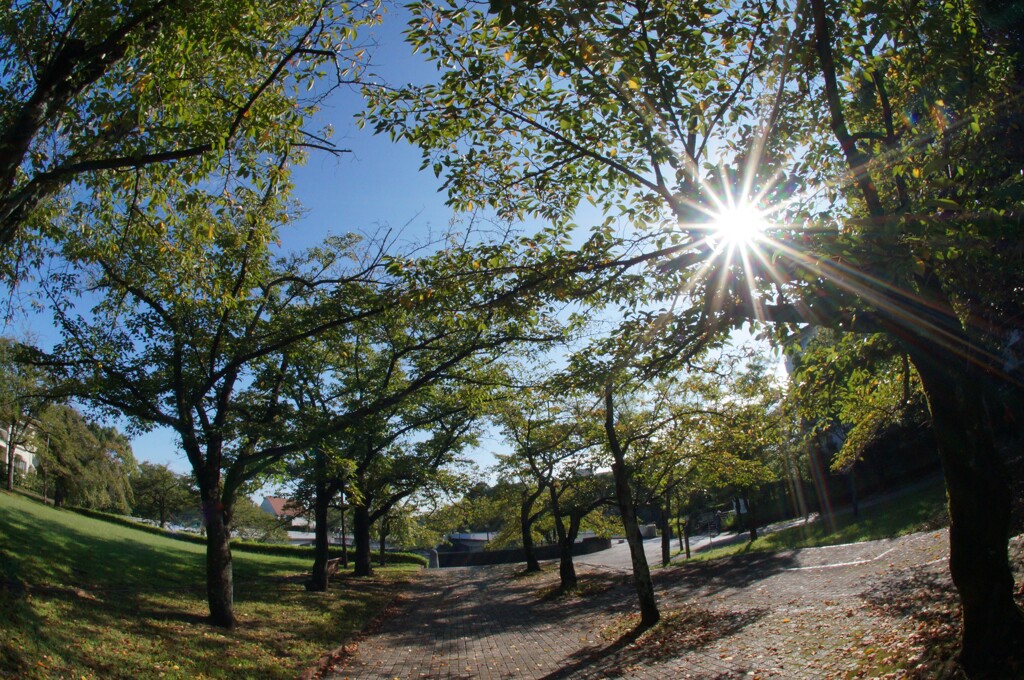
[{"x": 739, "y": 225}]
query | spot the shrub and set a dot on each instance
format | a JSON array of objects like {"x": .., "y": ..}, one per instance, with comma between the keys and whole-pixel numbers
[{"x": 278, "y": 549}]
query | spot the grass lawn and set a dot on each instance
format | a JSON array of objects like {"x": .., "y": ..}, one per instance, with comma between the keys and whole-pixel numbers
[
  {"x": 83, "y": 598},
  {"x": 917, "y": 510}
]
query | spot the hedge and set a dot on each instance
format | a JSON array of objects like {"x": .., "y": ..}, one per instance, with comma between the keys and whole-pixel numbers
[{"x": 278, "y": 549}]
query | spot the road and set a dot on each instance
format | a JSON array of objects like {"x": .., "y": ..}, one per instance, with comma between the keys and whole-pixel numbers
[
  {"x": 617, "y": 557},
  {"x": 843, "y": 611}
]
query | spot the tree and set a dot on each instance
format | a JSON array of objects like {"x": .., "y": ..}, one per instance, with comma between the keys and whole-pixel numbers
[
  {"x": 928, "y": 205},
  {"x": 619, "y": 441},
  {"x": 555, "y": 450},
  {"x": 175, "y": 123},
  {"x": 857, "y": 389},
  {"x": 547, "y": 438},
  {"x": 670, "y": 114},
  {"x": 160, "y": 493},
  {"x": 23, "y": 399},
  {"x": 413, "y": 369},
  {"x": 95, "y": 91},
  {"x": 526, "y": 489},
  {"x": 574, "y": 494},
  {"x": 397, "y": 457},
  {"x": 181, "y": 324},
  {"x": 90, "y": 465},
  {"x": 250, "y": 523}
]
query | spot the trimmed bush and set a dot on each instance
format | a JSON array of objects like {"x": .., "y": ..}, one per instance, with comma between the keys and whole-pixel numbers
[
  {"x": 141, "y": 526},
  {"x": 278, "y": 549},
  {"x": 405, "y": 558}
]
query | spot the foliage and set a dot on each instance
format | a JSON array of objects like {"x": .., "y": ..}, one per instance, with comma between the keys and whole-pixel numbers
[
  {"x": 23, "y": 399},
  {"x": 250, "y": 523},
  {"x": 95, "y": 93},
  {"x": 922, "y": 509},
  {"x": 159, "y": 493},
  {"x": 88, "y": 464},
  {"x": 858, "y": 384},
  {"x": 878, "y": 129}
]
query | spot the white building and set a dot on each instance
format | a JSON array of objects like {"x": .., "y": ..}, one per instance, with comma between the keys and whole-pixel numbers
[{"x": 25, "y": 459}]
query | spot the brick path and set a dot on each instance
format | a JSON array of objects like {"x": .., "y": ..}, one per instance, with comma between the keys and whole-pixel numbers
[{"x": 799, "y": 614}]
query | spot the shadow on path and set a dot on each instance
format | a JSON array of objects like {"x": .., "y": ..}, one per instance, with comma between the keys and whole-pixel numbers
[{"x": 681, "y": 631}]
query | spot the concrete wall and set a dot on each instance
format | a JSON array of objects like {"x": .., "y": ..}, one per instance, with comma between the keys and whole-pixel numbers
[{"x": 511, "y": 556}]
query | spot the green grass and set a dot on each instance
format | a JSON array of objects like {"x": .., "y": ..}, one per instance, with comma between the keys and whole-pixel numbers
[
  {"x": 917, "y": 510},
  {"x": 83, "y": 598}
]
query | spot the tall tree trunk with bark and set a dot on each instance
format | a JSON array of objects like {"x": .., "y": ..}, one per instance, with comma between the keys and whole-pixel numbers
[
  {"x": 219, "y": 575},
  {"x": 566, "y": 568},
  {"x": 649, "y": 614},
  {"x": 361, "y": 539},
  {"x": 686, "y": 537},
  {"x": 979, "y": 513},
  {"x": 666, "y": 534},
  {"x": 10, "y": 457},
  {"x": 344, "y": 531},
  {"x": 320, "y": 577},
  {"x": 526, "y": 519}
]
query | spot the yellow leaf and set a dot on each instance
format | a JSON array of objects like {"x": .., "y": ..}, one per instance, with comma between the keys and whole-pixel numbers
[{"x": 632, "y": 84}]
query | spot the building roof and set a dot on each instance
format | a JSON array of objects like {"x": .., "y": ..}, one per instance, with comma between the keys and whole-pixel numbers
[{"x": 280, "y": 507}]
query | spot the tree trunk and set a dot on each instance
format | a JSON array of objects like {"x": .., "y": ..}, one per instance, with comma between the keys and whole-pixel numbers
[
  {"x": 979, "y": 513},
  {"x": 383, "y": 547},
  {"x": 219, "y": 578},
  {"x": 320, "y": 578},
  {"x": 566, "y": 568},
  {"x": 526, "y": 527},
  {"x": 686, "y": 537},
  {"x": 751, "y": 520},
  {"x": 649, "y": 614},
  {"x": 344, "y": 529},
  {"x": 666, "y": 536},
  {"x": 854, "y": 504},
  {"x": 361, "y": 539},
  {"x": 10, "y": 458}
]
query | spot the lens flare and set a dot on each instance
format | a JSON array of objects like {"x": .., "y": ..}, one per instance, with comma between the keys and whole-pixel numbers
[{"x": 740, "y": 225}]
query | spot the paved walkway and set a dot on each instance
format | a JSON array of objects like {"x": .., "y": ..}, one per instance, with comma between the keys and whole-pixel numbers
[{"x": 812, "y": 613}]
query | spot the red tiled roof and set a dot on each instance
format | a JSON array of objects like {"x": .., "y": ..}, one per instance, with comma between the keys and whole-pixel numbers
[{"x": 282, "y": 507}]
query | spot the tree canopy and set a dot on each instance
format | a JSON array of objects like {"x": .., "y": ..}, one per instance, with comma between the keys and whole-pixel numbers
[{"x": 96, "y": 92}]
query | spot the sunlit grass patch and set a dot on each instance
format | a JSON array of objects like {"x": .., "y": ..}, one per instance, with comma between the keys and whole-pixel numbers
[
  {"x": 87, "y": 599},
  {"x": 918, "y": 510}
]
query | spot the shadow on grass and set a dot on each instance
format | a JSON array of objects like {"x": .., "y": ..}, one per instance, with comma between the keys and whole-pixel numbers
[
  {"x": 79, "y": 597},
  {"x": 41, "y": 551}
]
